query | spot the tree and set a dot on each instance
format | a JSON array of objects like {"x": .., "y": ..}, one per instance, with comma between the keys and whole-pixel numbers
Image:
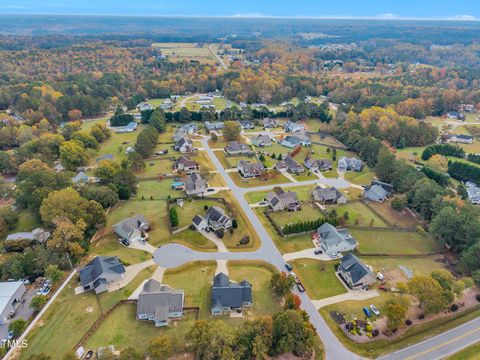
[
  {"x": 130, "y": 353},
  {"x": 214, "y": 137},
  {"x": 438, "y": 162},
  {"x": 8, "y": 219},
  {"x": 428, "y": 292},
  {"x": 53, "y": 273},
  {"x": 254, "y": 339},
  {"x": 104, "y": 195},
  {"x": 399, "y": 202},
  {"x": 210, "y": 340},
  {"x": 282, "y": 283},
  {"x": 136, "y": 161},
  {"x": 292, "y": 333},
  {"x": 74, "y": 115},
  {"x": 67, "y": 237},
  {"x": 396, "y": 310},
  {"x": 231, "y": 130},
  {"x": 159, "y": 348},
  {"x": 292, "y": 302},
  {"x": 106, "y": 171},
  {"x": 173, "y": 217},
  {"x": 157, "y": 120},
  {"x": 38, "y": 302},
  {"x": 86, "y": 139},
  {"x": 73, "y": 154},
  {"x": 17, "y": 326}
]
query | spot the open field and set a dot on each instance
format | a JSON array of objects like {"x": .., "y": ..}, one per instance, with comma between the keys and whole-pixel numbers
[
  {"x": 158, "y": 189},
  {"x": 401, "y": 219},
  {"x": 358, "y": 215},
  {"x": 309, "y": 212},
  {"x": 70, "y": 316},
  {"x": 423, "y": 265},
  {"x": 318, "y": 278},
  {"x": 303, "y": 193},
  {"x": 393, "y": 242},
  {"x": 470, "y": 353},
  {"x": 273, "y": 177},
  {"x": 363, "y": 177},
  {"x": 186, "y": 52}
]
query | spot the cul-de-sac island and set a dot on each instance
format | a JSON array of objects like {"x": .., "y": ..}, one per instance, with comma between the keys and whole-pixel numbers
[{"x": 240, "y": 197}]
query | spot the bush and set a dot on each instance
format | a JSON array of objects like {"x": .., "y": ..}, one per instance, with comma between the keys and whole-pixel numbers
[
  {"x": 421, "y": 317},
  {"x": 454, "y": 307},
  {"x": 173, "y": 217},
  {"x": 375, "y": 333},
  {"x": 220, "y": 233},
  {"x": 408, "y": 322},
  {"x": 234, "y": 224},
  {"x": 245, "y": 240},
  {"x": 205, "y": 207},
  {"x": 478, "y": 297}
]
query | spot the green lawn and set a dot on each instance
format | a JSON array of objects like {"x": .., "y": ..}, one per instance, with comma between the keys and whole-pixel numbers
[
  {"x": 318, "y": 278},
  {"x": 307, "y": 175},
  {"x": 470, "y": 353},
  {"x": 423, "y": 265},
  {"x": 191, "y": 208},
  {"x": 303, "y": 193},
  {"x": 88, "y": 124},
  {"x": 229, "y": 162},
  {"x": 158, "y": 189},
  {"x": 393, "y": 242},
  {"x": 309, "y": 212},
  {"x": 70, "y": 316},
  {"x": 358, "y": 215},
  {"x": 156, "y": 167},
  {"x": 273, "y": 177},
  {"x": 363, "y": 177},
  {"x": 192, "y": 239}
]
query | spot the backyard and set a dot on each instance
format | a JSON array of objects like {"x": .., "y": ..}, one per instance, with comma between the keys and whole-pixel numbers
[
  {"x": 359, "y": 215},
  {"x": 309, "y": 212}
]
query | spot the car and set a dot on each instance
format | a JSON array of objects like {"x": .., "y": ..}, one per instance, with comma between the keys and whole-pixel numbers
[
  {"x": 334, "y": 255},
  {"x": 288, "y": 267},
  {"x": 40, "y": 291},
  {"x": 300, "y": 287},
  {"x": 318, "y": 252},
  {"x": 210, "y": 190},
  {"x": 46, "y": 290},
  {"x": 367, "y": 312},
  {"x": 374, "y": 309},
  {"x": 10, "y": 335},
  {"x": 89, "y": 354}
]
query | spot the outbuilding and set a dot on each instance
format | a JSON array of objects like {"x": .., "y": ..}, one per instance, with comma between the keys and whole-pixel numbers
[{"x": 11, "y": 293}]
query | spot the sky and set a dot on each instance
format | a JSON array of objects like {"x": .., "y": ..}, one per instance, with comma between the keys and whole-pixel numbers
[{"x": 377, "y": 9}]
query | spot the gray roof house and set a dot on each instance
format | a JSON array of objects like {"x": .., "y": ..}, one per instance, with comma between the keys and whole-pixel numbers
[
  {"x": 213, "y": 126},
  {"x": 289, "y": 164},
  {"x": 378, "y": 191},
  {"x": 247, "y": 169},
  {"x": 228, "y": 295},
  {"x": 269, "y": 123},
  {"x": 184, "y": 146},
  {"x": 283, "y": 200},
  {"x": 473, "y": 192},
  {"x": 460, "y": 138},
  {"x": 195, "y": 185},
  {"x": 318, "y": 165},
  {"x": 292, "y": 141},
  {"x": 81, "y": 178},
  {"x": 133, "y": 228},
  {"x": 11, "y": 294},
  {"x": 185, "y": 164},
  {"x": 291, "y": 126},
  {"x": 100, "y": 272},
  {"x": 349, "y": 164},
  {"x": 328, "y": 195},
  {"x": 333, "y": 240},
  {"x": 247, "y": 125},
  {"x": 217, "y": 218},
  {"x": 355, "y": 273},
  {"x": 261, "y": 140},
  {"x": 159, "y": 303},
  {"x": 237, "y": 148},
  {"x": 36, "y": 235},
  {"x": 199, "y": 222}
]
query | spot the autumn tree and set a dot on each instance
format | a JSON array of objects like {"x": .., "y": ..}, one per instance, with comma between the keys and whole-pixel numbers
[
  {"x": 73, "y": 154},
  {"x": 74, "y": 115},
  {"x": 67, "y": 237},
  {"x": 86, "y": 139},
  {"x": 428, "y": 292},
  {"x": 159, "y": 348},
  {"x": 210, "y": 340},
  {"x": 282, "y": 283},
  {"x": 396, "y": 310},
  {"x": 104, "y": 195},
  {"x": 292, "y": 333},
  {"x": 231, "y": 130}
]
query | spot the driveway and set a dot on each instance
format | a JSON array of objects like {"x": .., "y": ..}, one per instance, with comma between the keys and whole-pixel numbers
[
  {"x": 307, "y": 254},
  {"x": 355, "y": 295}
]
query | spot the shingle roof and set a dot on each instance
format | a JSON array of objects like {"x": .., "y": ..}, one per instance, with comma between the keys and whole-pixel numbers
[
  {"x": 230, "y": 294},
  {"x": 158, "y": 300},
  {"x": 332, "y": 237},
  {"x": 326, "y": 194},
  {"x": 99, "y": 266},
  {"x": 352, "y": 265}
]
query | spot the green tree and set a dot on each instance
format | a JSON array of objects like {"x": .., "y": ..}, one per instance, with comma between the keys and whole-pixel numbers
[
  {"x": 231, "y": 130},
  {"x": 53, "y": 273},
  {"x": 73, "y": 154},
  {"x": 428, "y": 292},
  {"x": 17, "y": 326},
  {"x": 159, "y": 348},
  {"x": 396, "y": 310},
  {"x": 136, "y": 161},
  {"x": 211, "y": 340},
  {"x": 104, "y": 195},
  {"x": 157, "y": 120},
  {"x": 86, "y": 139},
  {"x": 282, "y": 283},
  {"x": 292, "y": 333},
  {"x": 38, "y": 302},
  {"x": 173, "y": 217}
]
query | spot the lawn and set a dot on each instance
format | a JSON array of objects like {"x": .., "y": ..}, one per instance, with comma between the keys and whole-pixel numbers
[
  {"x": 401, "y": 219},
  {"x": 204, "y": 162},
  {"x": 272, "y": 177},
  {"x": 423, "y": 265},
  {"x": 229, "y": 162},
  {"x": 156, "y": 167},
  {"x": 318, "y": 278},
  {"x": 70, "y": 316},
  {"x": 358, "y": 215},
  {"x": 303, "y": 193},
  {"x": 191, "y": 208},
  {"x": 192, "y": 239},
  {"x": 469, "y": 353},
  {"x": 88, "y": 124},
  {"x": 186, "y": 51},
  {"x": 309, "y": 212},
  {"x": 306, "y": 176},
  {"x": 156, "y": 189},
  {"x": 393, "y": 242},
  {"x": 363, "y": 177},
  {"x": 219, "y": 144},
  {"x": 259, "y": 275}
]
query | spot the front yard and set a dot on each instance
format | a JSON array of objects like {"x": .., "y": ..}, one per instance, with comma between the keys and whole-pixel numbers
[
  {"x": 363, "y": 177},
  {"x": 273, "y": 177},
  {"x": 309, "y": 212}
]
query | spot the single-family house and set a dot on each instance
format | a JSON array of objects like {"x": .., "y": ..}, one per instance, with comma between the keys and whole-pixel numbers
[
  {"x": 269, "y": 123},
  {"x": 349, "y": 164},
  {"x": 199, "y": 222},
  {"x": 246, "y": 169},
  {"x": 133, "y": 228},
  {"x": 473, "y": 192},
  {"x": 247, "y": 125},
  {"x": 159, "y": 303},
  {"x": 292, "y": 141},
  {"x": 317, "y": 164},
  {"x": 100, "y": 272},
  {"x": 237, "y": 148},
  {"x": 184, "y": 146},
  {"x": 144, "y": 106},
  {"x": 460, "y": 138},
  {"x": 455, "y": 115},
  {"x": 213, "y": 125},
  {"x": 334, "y": 241},
  {"x": 184, "y": 164},
  {"x": 378, "y": 191},
  {"x": 37, "y": 235},
  {"x": 230, "y": 296},
  {"x": 195, "y": 185},
  {"x": 328, "y": 195},
  {"x": 467, "y": 107},
  {"x": 104, "y": 157},
  {"x": 130, "y": 127},
  {"x": 217, "y": 218},
  {"x": 354, "y": 272},
  {"x": 280, "y": 200},
  {"x": 289, "y": 164},
  {"x": 81, "y": 179},
  {"x": 261, "y": 140},
  {"x": 291, "y": 126},
  {"x": 11, "y": 293}
]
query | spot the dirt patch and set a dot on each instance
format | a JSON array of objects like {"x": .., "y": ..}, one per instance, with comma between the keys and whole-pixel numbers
[
  {"x": 402, "y": 219},
  {"x": 394, "y": 276},
  {"x": 89, "y": 309}
]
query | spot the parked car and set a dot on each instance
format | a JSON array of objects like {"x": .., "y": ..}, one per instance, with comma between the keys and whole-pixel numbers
[
  {"x": 334, "y": 255},
  {"x": 318, "y": 252},
  {"x": 288, "y": 267},
  {"x": 367, "y": 312},
  {"x": 374, "y": 309},
  {"x": 46, "y": 290},
  {"x": 10, "y": 335},
  {"x": 300, "y": 287},
  {"x": 89, "y": 354}
]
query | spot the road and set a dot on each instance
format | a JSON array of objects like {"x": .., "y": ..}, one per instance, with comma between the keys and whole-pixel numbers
[{"x": 218, "y": 57}]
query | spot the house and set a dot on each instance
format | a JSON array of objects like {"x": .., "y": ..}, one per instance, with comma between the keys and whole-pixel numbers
[
  {"x": 213, "y": 126},
  {"x": 292, "y": 141},
  {"x": 247, "y": 125},
  {"x": 455, "y": 115},
  {"x": 133, "y": 228},
  {"x": 229, "y": 296},
  {"x": 467, "y": 107},
  {"x": 291, "y": 126},
  {"x": 283, "y": 200},
  {"x": 184, "y": 130},
  {"x": 217, "y": 219},
  {"x": 184, "y": 146},
  {"x": 269, "y": 123},
  {"x": 460, "y": 138},
  {"x": 195, "y": 185},
  {"x": 473, "y": 192},
  {"x": 104, "y": 157},
  {"x": 159, "y": 303},
  {"x": 289, "y": 164},
  {"x": 355, "y": 273},
  {"x": 199, "y": 222},
  {"x": 247, "y": 169},
  {"x": 144, "y": 106},
  {"x": 334, "y": 241},
  {"x": 37, "y": 235},
  {"x": 378, "y": 191},
  {"x": 318, "y": 165},
  {"x": 81, "y": 179},
  {"x": 349, "y": 164},
  {"x": 130, "y": 127},
  {"x": 11, "y": 293},
  {"x": 178, "y": 185},
  {"x": 100, "y": 272},
  {"x": 261, "y": 140},
  {"x": 237, "y": 148},
  {"x": 184, "y": 164},
  {"x": 328, "y": 195}
]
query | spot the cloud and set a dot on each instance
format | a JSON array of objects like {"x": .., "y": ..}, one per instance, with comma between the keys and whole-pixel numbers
[
  {"x": 464, "y": 17},
  {"x": 387, "y": 16},
  {"x": 13, "y": 7},
  {"x": 252, "y": 15}
]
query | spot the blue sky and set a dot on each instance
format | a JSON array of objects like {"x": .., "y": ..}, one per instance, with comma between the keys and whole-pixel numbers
[{"x": 387, "y": 9}]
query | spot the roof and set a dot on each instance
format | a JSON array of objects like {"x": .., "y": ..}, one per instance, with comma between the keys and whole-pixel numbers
[
  {"x": 332, "y": 237},
  {"x": 289, "y": 163},
  {"x": 327, "y": 194},
  {"x": 195, "y": 181},
  {"x": 197, "y": 219},
  {"x": 99, "y": 266},
  {"x": 81, "y": 176},
  {"x": 376, "y": 193},
  {"x": 321, "y": 163},
  {"x": 285, "y": 197},
  {"x": 127, "y": 226},
  {"x": 159, "y": 300},
  {"x": 352, "y": 265},
  {"x": 7, "y": 290},
  {"x": 226, "y": 293},
  {"x": 216, "y": 214},
  {"x": 37, "y": 234},
  {"x": 236, "y": 146},
  {"x": 249, "y": 167},
  {"x": 185, "y": 161}
]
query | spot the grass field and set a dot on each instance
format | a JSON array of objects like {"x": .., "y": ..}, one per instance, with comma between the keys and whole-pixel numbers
[
  {"x": 70, "y": 316},
  {"x": 393, "y": 242},
  {"x": 229, "y": 162},
  {"x": 470, "y": 353},
  {"x": 401, "y": 219},
  {"x": 193, "y": 240},
  {"x": 419, "y": 265},
  {"x": 273, "y": 177},
  {"x": 363, "y": 177},
  {"x": 318, "y": 278},
  {"x": 309, "y": 212},
  {"x": 186, "y": 51},
  {"x": 358, "y": 215},
  {"x": 303, "y": 193},
  {"x": 191, "y": 208},
  {"x": 158, "y": 189}
]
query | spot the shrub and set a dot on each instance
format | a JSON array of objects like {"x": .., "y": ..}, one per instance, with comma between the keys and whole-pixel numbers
[
  {"x": 220, "y": 233},
  {"x": 245, "y": 240},
  {"x": 478, "y": 297},
  {"x": 234, "y": 224},
  {"x": 421, "y": 317},
  {"x": 173, "y": 217},
  {"x": 375, "y": 332},
  {"x": 454, "y": 307},
  {"x": 205, "y": 207},
  {"x": 408, "y": 322}
]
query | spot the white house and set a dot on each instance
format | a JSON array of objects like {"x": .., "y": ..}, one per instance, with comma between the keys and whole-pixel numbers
[{"x": 11, "y": 294}]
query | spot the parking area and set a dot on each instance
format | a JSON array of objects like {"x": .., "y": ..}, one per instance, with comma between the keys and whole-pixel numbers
[{"x": 23, "y": 311}]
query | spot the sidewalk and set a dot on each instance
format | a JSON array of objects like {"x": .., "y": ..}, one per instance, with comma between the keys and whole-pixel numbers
[{"x": 352, "y": 295}]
